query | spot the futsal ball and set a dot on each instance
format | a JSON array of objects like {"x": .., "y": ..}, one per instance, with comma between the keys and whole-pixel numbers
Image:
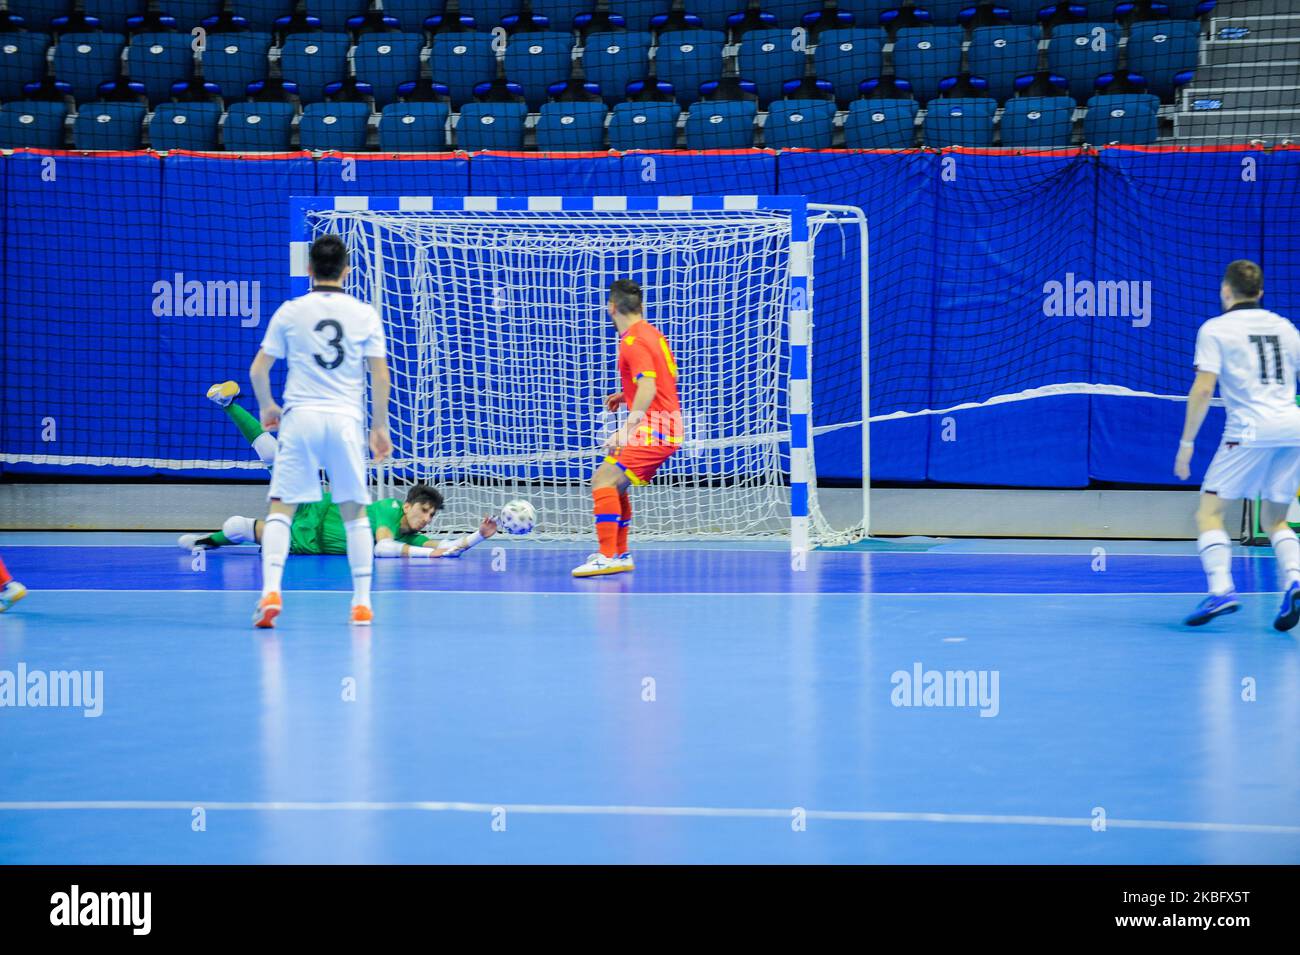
[{"x": 518, "y": 517}]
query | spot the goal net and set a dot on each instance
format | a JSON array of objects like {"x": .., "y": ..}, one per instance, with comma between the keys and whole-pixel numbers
[{"x": 502, "y": 353}]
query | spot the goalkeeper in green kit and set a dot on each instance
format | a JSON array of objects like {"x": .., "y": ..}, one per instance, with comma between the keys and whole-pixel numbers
[{"x": 317, "y": 528}]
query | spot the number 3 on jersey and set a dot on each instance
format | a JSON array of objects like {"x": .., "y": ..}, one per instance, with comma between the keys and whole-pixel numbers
[{"x": 336, "y": 343}]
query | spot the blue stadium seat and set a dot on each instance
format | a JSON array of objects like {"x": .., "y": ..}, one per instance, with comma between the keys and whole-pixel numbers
[
  {"x": 1128, "y": 118},
  {"x": 386, "y": 59},
  {"x": 1001, "y": 53},
  {"x": 536, "y": 60},
  {"x": 799, "y": 124},
  {"x": 35, "y": 125},
  {"x": 39, "y": 13},
  {"x": 944, "y": 12},
  {"x": 1037, "y": 121},
  {"x": 1187, "y": 9},
  {"x": 334, "y": 14},
  {"x": 189, "y": 13},
  {"x": 769, "y": 58},
  {"x": 1025, "y": 11},
  {"x": 638, "y": 13},
  {"x": 925, "y": 55},
  {"x": 411, "y": 14},
  {"x": 261, "y": 14},
  {"x": 233, "y": 60},
  {"x": 491, "y": 126},
  {"x": 22, "y": 60},
  {"x": 788, "y": 13},
  {"x": 571, "y": 127},
  {"x": 644, "y": 126},
  {"x": 313, "y": 59},
  {"x": 713, "y": 13},
  {"x": 184, "y": 126},
  {"x": 85, "y": 60},
  {"x": 687, "y": 58},
  {"x": 1081, "y": 52},
  {"x": 721, "y": 125},
  {"x": 462, "y": 61},
  {"x": 866, "y": 13},
  {"x": 413, "y": 127},
  {"x": 881, "y": 124},
  {"x": 339, "y": 126},
  {"x": 158, "y": 60},
  {"x": 111, "y": 14},
  {"x": 258, "y": 127},
  {"x": 1160, "y": 49},
  {"x": 845, "y": 58},
  {"x": 108, "y": 126},
  {"x": 613, "y": 60},
  {"x": 489, "y": 13},
  {"x": 561, "y": 13},
  {"x": 962, "y": 121}
]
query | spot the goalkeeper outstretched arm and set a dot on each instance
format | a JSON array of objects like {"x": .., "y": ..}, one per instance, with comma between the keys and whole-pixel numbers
[{"x": 388, "y": 546}]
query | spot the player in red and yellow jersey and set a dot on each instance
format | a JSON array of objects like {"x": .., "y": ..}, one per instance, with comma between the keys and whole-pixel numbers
[{"x": 649, "y": 437}]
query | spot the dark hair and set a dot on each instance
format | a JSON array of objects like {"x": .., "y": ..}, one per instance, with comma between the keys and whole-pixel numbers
[
  {"x": 626, "y": 296},
  {"x": 423, "y": 494},
  {"x": 329, "y": 257},
  {"x": 1245, "y": 278}
]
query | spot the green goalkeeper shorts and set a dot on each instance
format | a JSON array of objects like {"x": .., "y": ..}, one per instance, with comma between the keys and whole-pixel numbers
[{"x": 317, "y": 528}]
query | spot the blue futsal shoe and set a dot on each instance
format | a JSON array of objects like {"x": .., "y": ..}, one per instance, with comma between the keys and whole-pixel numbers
[
  {"x": 1215, "y": 605},
  {"x": 1289, "y": 615}
]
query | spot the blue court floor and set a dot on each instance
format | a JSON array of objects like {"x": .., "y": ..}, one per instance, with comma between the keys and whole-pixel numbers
[{"x": 715, "y": 706}]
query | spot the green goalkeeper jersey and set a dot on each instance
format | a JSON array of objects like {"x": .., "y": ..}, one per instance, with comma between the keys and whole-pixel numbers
[{"x": 318, "y": 527}]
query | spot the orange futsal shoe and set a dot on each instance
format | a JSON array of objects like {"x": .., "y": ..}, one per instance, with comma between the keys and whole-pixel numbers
[
  {"x": 268, "y": 608},
  {"x": 362, "y": 615}
]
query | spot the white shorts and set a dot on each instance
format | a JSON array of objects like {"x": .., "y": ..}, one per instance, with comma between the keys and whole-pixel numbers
[
  {"x": 1269, "y": 473},
  {"x": 314, "y": 440}
]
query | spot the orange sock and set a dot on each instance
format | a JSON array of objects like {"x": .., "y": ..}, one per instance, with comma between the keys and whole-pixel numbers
[
  {"x": 607, "y": 512},
  {"x": 625, "y": 503}
]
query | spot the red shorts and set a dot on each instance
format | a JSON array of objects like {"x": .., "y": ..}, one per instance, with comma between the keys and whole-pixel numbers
[{"x": 640, "y": 462}]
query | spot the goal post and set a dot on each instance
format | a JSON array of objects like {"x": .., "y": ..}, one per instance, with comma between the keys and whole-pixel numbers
[{"x": 500, "y": 350}]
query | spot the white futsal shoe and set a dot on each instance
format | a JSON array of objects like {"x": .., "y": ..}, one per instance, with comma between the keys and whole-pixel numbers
[
  {"x": 598, "y": 565},
  {"x": 188, "y": 542}
]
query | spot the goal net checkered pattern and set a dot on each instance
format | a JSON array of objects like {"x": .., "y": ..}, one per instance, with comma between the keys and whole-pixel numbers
[{"x": 502, "y": 352}]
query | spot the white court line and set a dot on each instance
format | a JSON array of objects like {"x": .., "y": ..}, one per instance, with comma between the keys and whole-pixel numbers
[
  {"x": 710, "y": 812},
  {"x": 656, "y": 593}
]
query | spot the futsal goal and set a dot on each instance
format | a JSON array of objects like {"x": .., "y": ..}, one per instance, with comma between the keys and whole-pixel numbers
[{"x": 502, "y": 352}]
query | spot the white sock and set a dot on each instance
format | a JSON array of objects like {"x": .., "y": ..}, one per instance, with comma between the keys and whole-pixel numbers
[
  {"x": 1216, "y": 558},
  {"x": 361, "y": 558},
  {"x": 275, "y": 549},
  {"x": 1287, "y": 548},
  {"x": 266, "y": 445},
  {"x": 240, "y": 530}
]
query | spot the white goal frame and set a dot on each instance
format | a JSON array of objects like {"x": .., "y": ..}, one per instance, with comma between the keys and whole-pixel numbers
[{"x": 800, "y": 293}]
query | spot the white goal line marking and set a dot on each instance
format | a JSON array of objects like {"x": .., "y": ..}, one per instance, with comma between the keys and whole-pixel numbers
[
  {"x": 708, "y": 812},
  {"x": 595, "y": 590}
]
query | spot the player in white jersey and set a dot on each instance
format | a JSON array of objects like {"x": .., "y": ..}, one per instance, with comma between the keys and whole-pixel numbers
[
  {"x": 1254, "y": 356},
  {"x": 328, "y": 339}
]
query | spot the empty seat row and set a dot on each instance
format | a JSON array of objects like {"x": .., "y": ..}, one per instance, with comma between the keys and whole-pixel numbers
[{"x": 580, "y": 127}]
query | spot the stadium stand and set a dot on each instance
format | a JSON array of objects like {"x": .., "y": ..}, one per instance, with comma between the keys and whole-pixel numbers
[
  {"x": 32, "y": 125},
  {"x": 881, "y": 124},
  {"x": 113, "y": 14},
  {"x": 22, "y": 60},
  {"x": 385, "y": 60},
  {"x": 769, "y": 58},
  {"x": 233, "y": 60},
  {"x": 312, "y": 60},
  {"x": 1121, "y": 118},
  {"x": 462, "y": 61},
  {"x": 612, "y": 60},
  {"x": 39, "y": 13},
  {"x": 338, "y": 126},
  {"x": 1081, "y": 52},
  {"x": 799, "y": 124},
  {"x": 261, "y": 14},
  {"x": 1037, "y": 121},
  {"x": 1161, "y": 50},
  {"x": 925, "y": 55},
  {"x": 1001, "y": 53},
  {"x": 536, "y": 60},
  {"x": 84, "y": 60},
  {"x": 847, "y": 57},
  {"x": 571, "y": 127},
  {"x": 961, "y": 121},
  {"x": 158, "y": 60}
]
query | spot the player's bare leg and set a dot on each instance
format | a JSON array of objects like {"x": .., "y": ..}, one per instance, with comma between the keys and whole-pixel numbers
[
  {"x": 1215, "y": 549},
  {"x": 11, "y": 591},
  {"x": 1286, "y": 547},
  {"x": 608, "y": 485},
  {"x": 361, "y": 558},
  {"x": 275, "y": 550}
]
